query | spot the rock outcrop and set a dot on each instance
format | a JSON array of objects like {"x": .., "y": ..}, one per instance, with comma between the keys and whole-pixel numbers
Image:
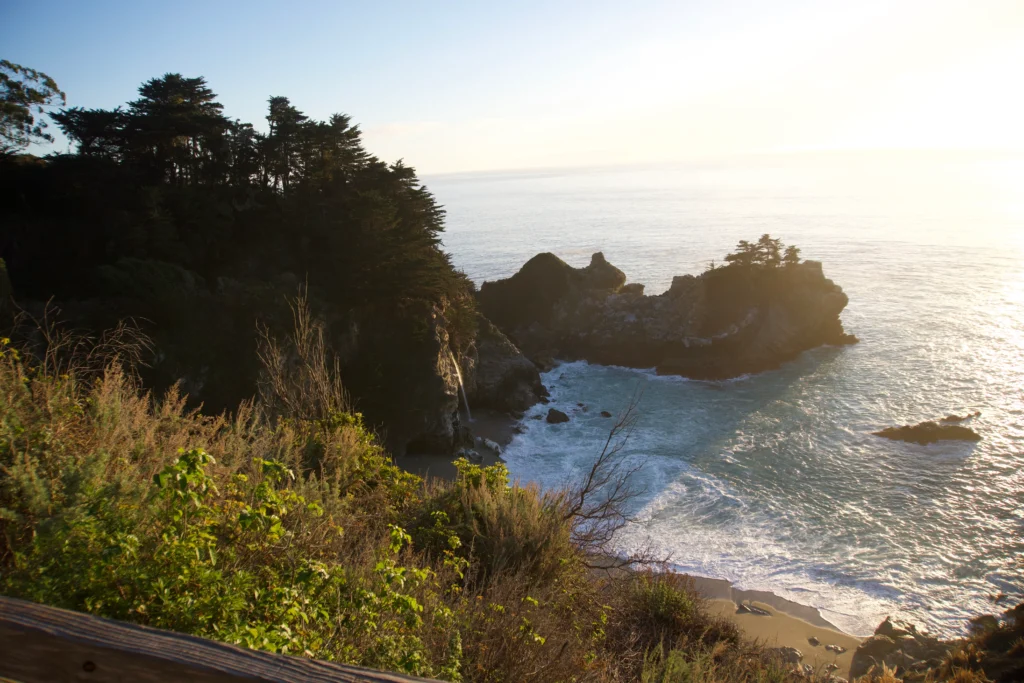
[
  {"x": 929, "y": 432},
  {"x": 497, "y": 375},
  {"x": 426, "y": 417},
  {"x": 899, "y": 646},
  {"x": 724, "y": 323}
]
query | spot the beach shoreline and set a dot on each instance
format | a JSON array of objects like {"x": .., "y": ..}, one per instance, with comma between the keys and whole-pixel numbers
[{"x": 782, "y": 622}]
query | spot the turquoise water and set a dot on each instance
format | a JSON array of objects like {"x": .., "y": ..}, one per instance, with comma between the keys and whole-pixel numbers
[{"x": 774, "y": 481}]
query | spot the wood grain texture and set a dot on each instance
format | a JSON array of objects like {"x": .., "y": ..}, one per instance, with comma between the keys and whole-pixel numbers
[{"x": 40, "y": 644}]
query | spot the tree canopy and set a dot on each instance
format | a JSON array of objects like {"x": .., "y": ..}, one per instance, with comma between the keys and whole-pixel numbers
[
  {"x": 767, "y": 252},
  {"x": 170, "y": 210},
  {"x": 24, "y": 95}
]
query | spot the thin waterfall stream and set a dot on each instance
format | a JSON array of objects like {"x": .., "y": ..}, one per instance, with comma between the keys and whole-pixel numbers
[{"x": 462, "y": 387}]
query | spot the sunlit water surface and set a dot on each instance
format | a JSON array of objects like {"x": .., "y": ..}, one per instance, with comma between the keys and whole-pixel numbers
[{"x": 775, "y": 481}]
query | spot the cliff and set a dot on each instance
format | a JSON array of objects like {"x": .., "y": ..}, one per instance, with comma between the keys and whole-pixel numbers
[{"x": 724, "y": 323}]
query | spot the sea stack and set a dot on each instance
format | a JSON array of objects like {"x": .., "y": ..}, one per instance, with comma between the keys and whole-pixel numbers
[{"x": 726, "y": 322}]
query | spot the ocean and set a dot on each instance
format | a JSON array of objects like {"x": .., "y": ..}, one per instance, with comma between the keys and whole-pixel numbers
[{"x": 774, "y": 481}]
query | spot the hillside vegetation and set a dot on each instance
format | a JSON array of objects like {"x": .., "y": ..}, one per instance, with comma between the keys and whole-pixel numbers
[{"x": 286, "y": 527}]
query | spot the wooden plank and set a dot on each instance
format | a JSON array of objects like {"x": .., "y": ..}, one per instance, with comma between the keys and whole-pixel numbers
[{"x": 40, "y": 644}]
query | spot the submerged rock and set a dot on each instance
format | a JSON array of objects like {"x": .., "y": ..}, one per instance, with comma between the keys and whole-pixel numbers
[
  {"x": 724, "y": 323},
  {"x": 556, "y": 416},
  {"x": 929, "y": 432},
  {"x": 605, "y": 413}
]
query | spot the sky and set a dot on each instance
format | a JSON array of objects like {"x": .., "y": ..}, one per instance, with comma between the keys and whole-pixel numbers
[{"x": 472, "y": 86}]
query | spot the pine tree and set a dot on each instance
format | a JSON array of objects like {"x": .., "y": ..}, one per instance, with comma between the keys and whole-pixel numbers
[
  {"x": 769, "y": 251},
  {"x": 745, "y": 255}
]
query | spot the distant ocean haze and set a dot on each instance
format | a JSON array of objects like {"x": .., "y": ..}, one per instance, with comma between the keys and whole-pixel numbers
[{"x": 775, "y": 481}]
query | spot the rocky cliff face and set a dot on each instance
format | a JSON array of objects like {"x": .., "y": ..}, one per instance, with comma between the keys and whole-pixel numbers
[
  {"x": 429, "y": 417},
  {"x": 727, "y": 322},
  {"x": 497, "y": 375},
  {"x": 423, "y": 417}
]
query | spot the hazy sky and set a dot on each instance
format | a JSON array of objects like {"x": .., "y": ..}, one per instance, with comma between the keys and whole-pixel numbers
[{"x": 456, "y": 86}]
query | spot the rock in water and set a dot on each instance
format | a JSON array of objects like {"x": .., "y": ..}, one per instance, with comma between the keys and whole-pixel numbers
[
  {"x": 929, "y": 432},
  {"x": 727, "y": 322},
  {"x": 556, "y": 416},
  {"x": 605, "y": 413}
]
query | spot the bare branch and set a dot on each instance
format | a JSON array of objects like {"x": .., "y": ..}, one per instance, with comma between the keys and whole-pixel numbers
[{"x": 598, "y": 507}]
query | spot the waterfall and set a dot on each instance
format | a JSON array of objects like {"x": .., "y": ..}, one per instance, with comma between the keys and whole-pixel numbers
[{"x": 462, "y": 388}]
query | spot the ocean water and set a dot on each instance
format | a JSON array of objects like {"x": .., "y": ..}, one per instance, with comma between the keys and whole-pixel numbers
[{"x": 774, "y": 481}]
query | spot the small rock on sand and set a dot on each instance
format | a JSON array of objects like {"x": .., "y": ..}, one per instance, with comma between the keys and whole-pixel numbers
[
  {"x": 814, "y": 641},
  {"x": 490, "y": 444},
  {"x": 790, "y": 655},
  {"x": 746, "y": 608}
]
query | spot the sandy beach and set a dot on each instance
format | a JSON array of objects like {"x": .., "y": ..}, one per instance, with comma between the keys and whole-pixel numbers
[{"x": 789, "y": 624}]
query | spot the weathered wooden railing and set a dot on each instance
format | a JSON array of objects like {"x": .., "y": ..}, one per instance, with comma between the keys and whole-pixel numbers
[{"x": 40, "y": 644}]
